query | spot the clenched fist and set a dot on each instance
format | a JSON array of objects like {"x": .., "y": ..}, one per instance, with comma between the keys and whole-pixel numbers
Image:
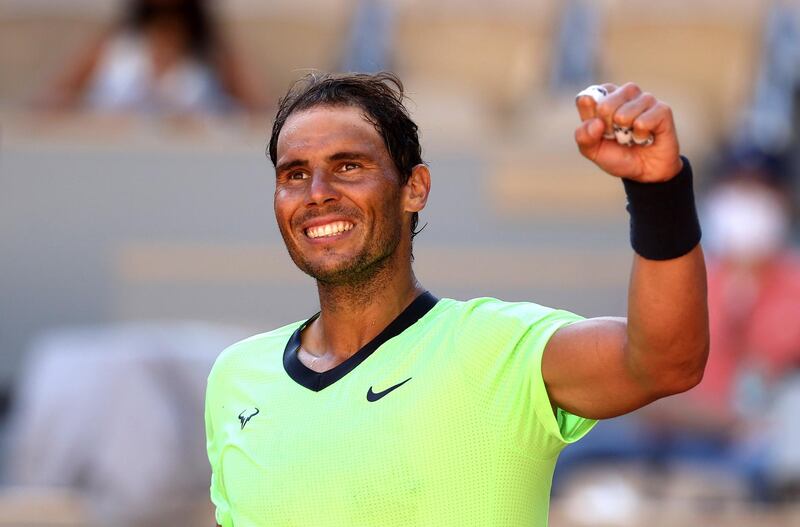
[{"x": 629, "y": 107}]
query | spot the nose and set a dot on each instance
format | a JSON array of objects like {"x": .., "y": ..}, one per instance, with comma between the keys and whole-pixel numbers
[{"x": 321, "y": 189}]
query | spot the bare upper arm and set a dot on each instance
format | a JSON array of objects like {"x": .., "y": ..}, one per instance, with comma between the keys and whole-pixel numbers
[
  {"x": 587, "y": 371},
  {"x": 71, "y": 81}
]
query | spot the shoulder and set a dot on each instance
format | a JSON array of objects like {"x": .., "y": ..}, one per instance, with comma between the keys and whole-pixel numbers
[
  {"x": 490, "y": 323},
  {"x": 251, "y": 353},
  {"x": 491, "y": 311}
]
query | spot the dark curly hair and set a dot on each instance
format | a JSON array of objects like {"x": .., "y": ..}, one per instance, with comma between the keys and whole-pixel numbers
[{"x": 380, "y": 96}]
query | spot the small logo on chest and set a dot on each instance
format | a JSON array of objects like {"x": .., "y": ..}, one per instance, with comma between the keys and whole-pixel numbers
[
  {"x": 372, "y": 396},
  {"x": 246, "y": 415}
]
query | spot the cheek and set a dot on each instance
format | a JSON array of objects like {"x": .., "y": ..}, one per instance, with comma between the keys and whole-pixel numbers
[
  {"x": 282, "y": 203},
  {"x": 392, "y": 206}
]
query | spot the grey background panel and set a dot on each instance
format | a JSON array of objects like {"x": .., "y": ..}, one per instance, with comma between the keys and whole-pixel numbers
[{"x": 102, "y": 234}]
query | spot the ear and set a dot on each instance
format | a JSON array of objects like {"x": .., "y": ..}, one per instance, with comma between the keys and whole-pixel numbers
[{"x": 417, "y": 189}]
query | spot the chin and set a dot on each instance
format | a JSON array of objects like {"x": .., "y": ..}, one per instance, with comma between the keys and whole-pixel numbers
[
  {"x": 345, "y": 271},
  {"x": 350, "y": 263},
  {"x": 325, "y": 273},
  {"x": 334, "y": 275}
]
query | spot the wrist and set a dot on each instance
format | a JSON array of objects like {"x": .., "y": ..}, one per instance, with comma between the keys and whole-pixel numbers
[
  {"x": 663, "y": 216},
  {"x": 678, "y": 167}
]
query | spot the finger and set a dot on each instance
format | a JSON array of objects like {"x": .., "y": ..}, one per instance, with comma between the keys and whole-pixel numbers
[
  {"x": 610, "y": 88},
  {"x": 609, "y": 105},
  {"x": 587, "y": 107},
  {"x": 655, "y": 121},
  {"x": 644, "y": 141},
  {"x": 629, "y": 111},
  {"x": 626, "y": 114},
  {"x": 589, "y": 135}
]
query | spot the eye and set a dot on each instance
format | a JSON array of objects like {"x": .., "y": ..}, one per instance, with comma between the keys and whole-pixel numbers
[
  {"x": 346, "y": 167},
  {"x": 297, "y": 175}
]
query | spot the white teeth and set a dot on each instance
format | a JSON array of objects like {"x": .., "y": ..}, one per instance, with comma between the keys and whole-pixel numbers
[{"x": 329, "y": 229}]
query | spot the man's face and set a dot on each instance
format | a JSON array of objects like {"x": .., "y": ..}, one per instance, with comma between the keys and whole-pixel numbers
[{"x": 338, "y": 199}]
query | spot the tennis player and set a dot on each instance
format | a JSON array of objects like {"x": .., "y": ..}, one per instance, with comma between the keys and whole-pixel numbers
[{"x": 392, "y": 407}]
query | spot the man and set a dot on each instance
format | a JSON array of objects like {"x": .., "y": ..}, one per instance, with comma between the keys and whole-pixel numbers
[{"x": 392, "y": 407}]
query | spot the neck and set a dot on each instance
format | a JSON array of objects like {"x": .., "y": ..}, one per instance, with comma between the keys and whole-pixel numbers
[{"x": 352, "y": 314}]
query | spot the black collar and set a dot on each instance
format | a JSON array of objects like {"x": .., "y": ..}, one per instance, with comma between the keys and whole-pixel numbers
[{"x": 317, "y": 381}]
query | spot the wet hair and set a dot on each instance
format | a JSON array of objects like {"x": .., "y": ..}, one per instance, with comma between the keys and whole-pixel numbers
[
  {"x": 380, "y": 96},
  {"x": 194, "y": 15}
]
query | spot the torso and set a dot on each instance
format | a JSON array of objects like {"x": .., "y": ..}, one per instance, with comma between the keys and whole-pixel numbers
[{"x": 445, "y": 423}]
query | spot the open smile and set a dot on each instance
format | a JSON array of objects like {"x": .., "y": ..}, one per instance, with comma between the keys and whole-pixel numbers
[{"x": 328, "y": 230}]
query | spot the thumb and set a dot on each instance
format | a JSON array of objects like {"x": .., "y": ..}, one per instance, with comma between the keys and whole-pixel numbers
[{"x": 589, "y": 134}]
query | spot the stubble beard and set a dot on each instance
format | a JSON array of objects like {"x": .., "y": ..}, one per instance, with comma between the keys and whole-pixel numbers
[{"x": 368, "y": 266}]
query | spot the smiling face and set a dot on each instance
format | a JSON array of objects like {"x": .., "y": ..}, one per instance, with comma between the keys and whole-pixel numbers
[{"x": 338, "y": 202}]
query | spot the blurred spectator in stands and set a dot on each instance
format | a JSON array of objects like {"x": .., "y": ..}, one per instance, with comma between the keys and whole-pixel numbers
[
  {"x": 164, "y": 56},
  {"x": 754, "y": 309},
  {"x": 114, "y": 414},
  {"x": 742, "y": 418},
  {"x": 371, "y": 41}
]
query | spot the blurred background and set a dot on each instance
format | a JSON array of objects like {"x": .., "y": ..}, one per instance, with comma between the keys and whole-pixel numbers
[{"x": 137, "y": 238}]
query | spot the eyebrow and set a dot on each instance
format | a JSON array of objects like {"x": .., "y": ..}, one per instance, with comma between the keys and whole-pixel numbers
[
  {"x": 291, "y": 164},
  {"x": 339, "y": 156}
]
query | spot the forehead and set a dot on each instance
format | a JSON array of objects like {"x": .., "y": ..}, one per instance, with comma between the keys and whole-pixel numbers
[{"x": 327, "y": 129}]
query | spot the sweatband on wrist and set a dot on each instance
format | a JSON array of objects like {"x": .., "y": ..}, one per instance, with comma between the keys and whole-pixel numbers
[{"x": 664, "y": 222}]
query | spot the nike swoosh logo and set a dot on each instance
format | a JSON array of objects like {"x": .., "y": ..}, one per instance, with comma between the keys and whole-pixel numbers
[{"x": 372, "y": 396}]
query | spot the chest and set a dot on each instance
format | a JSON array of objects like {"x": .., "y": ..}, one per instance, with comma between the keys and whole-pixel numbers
[{"x": 390, "y": 445}]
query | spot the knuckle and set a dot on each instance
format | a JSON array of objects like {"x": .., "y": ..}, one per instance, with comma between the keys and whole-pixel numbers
[
  {"x": 624, "y": 118},
  {"x": 640, "y": 126},
  {"x": 648, "y": 98},
  {"x": 631, "y": 88}
]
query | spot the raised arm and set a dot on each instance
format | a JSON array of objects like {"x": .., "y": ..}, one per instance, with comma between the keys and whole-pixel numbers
[
  {"x": 605, "y": 367},
  {"x": 66, "y": 90}
]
